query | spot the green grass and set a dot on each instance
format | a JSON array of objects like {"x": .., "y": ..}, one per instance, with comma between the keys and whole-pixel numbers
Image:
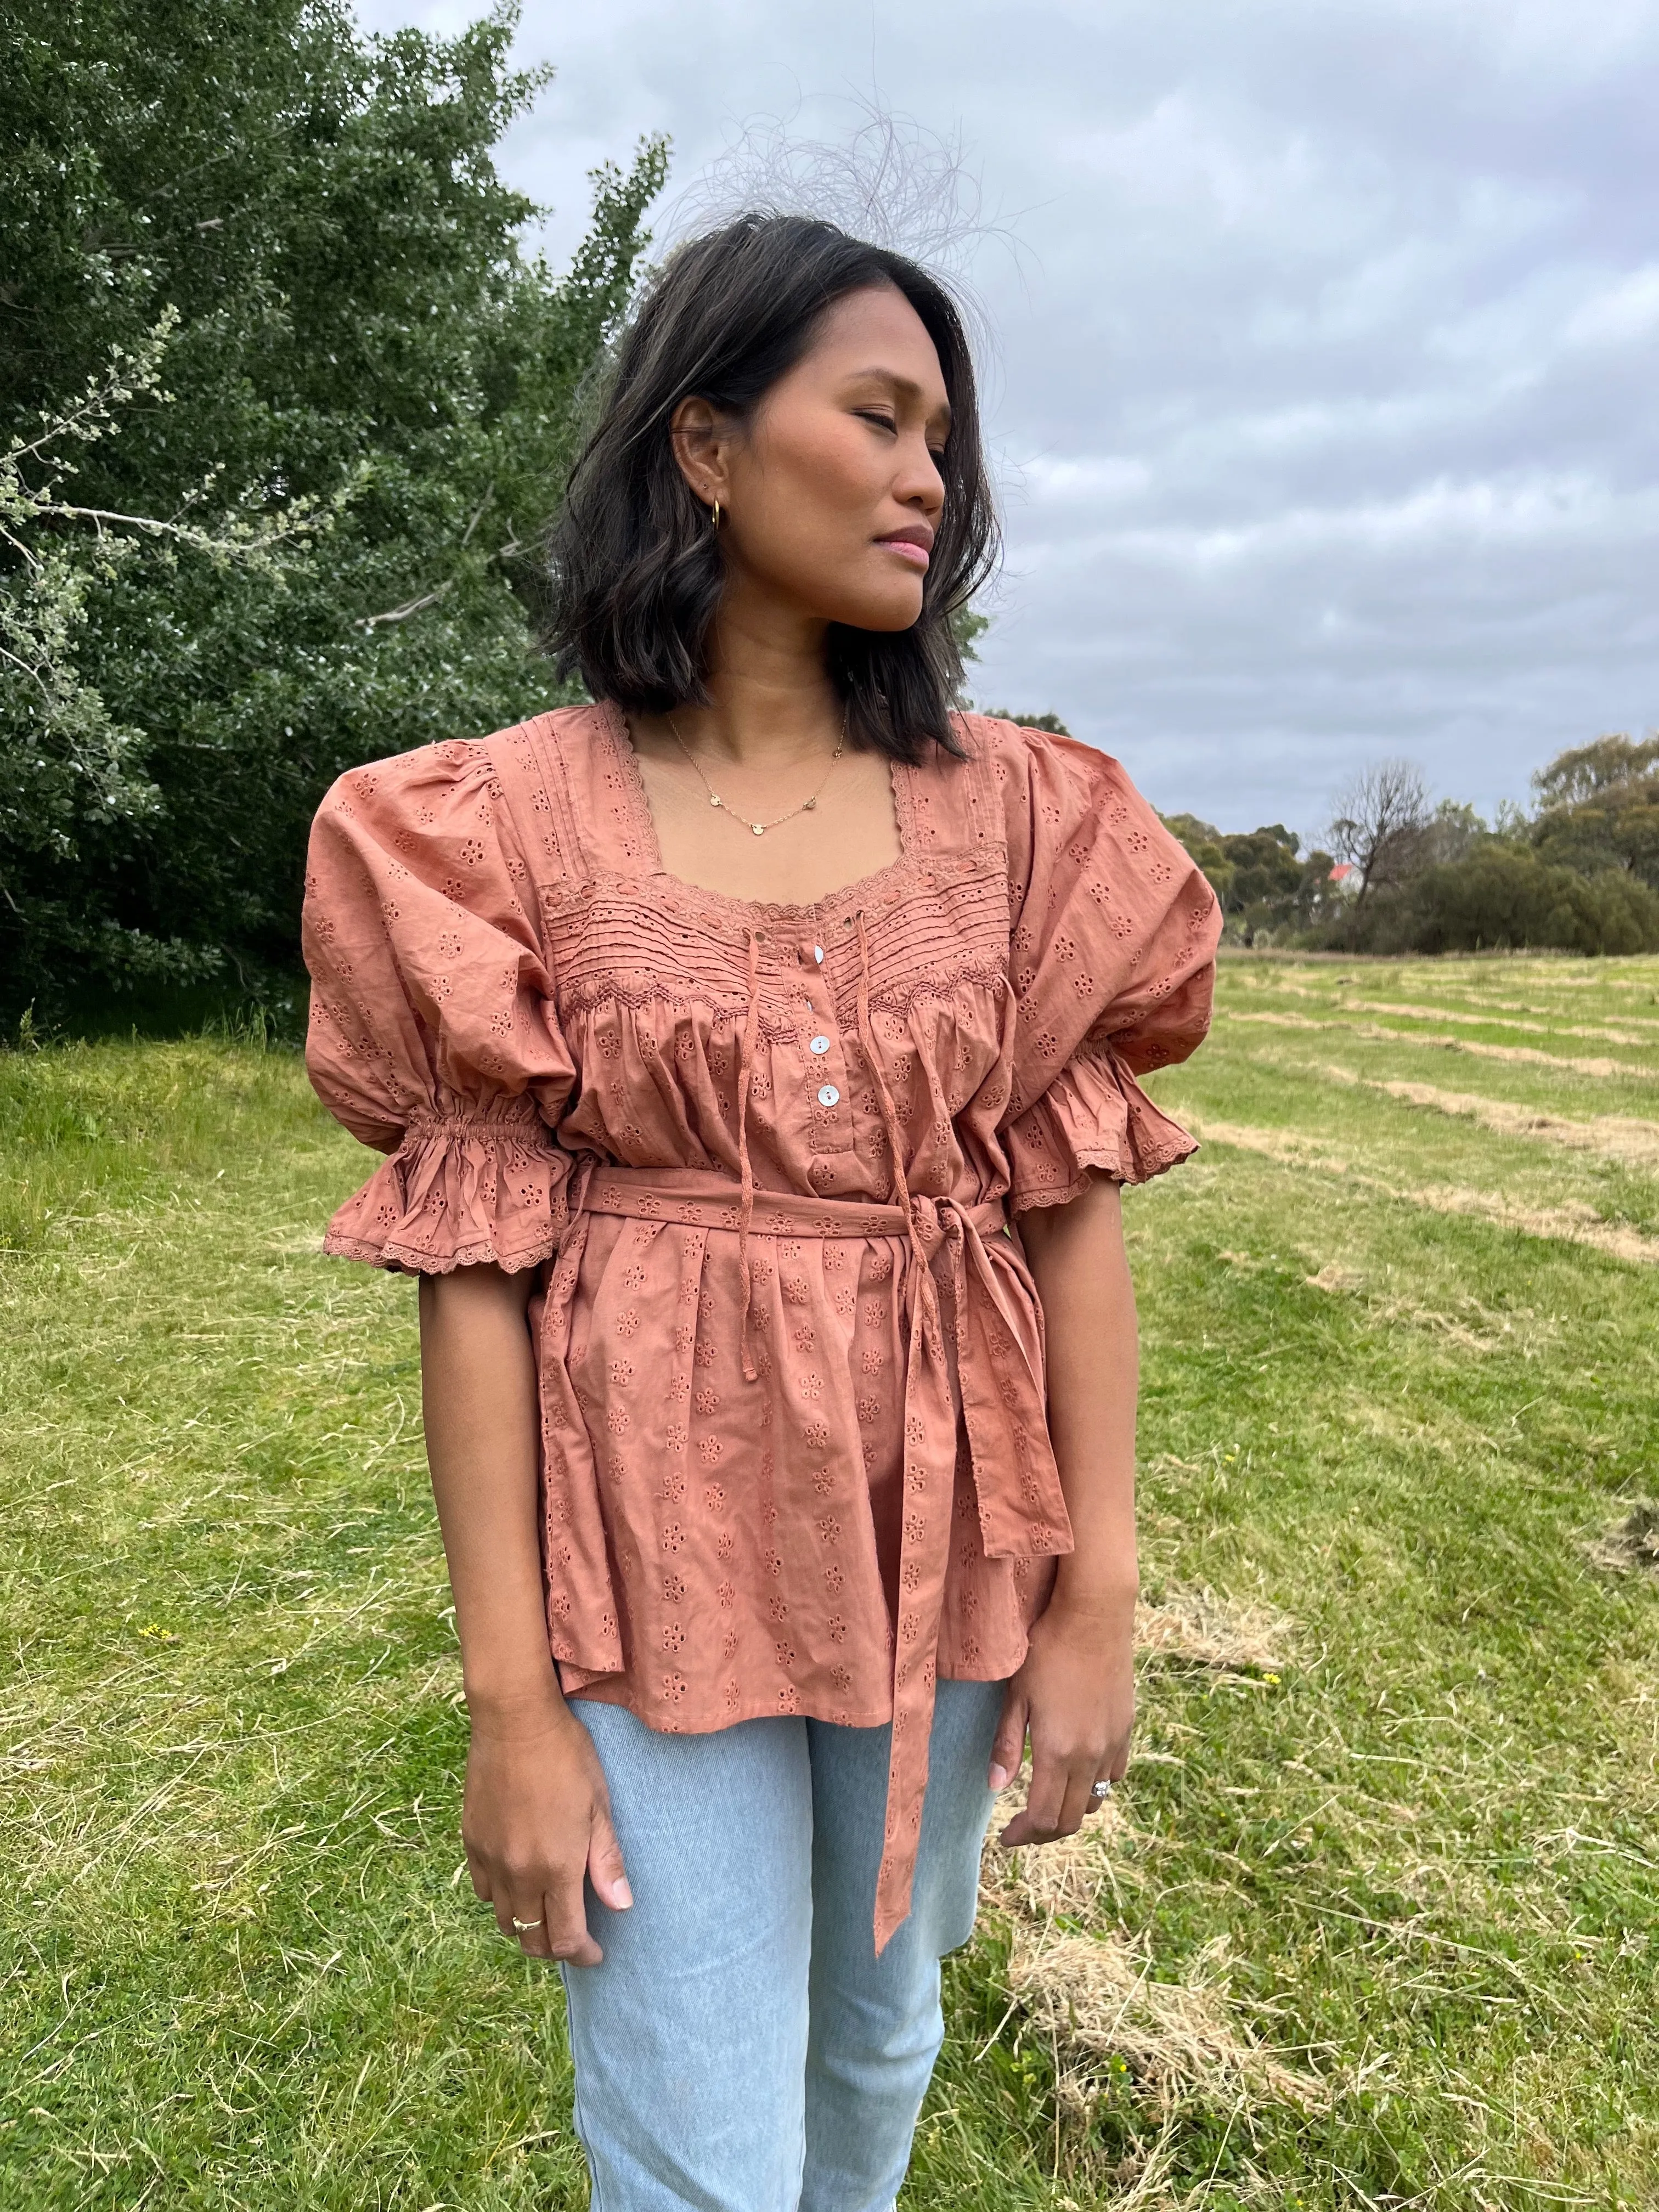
[{"x": 239, "y": 1965}]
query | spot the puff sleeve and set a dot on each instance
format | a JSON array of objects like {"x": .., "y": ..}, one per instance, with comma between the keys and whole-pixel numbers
[
  {"x": 1113, "y": 959},
  {"x": 431, "y": 1034}
]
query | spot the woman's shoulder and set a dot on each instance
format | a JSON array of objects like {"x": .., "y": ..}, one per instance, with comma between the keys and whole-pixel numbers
[
  {"x": 1050, "y": 795},
  {"x": 1022, "y": 761},
  {"x": 519, "y": 772}
]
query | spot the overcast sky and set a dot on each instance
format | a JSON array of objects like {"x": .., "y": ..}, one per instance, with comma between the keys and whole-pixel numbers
[{"x": 1324, "y": 377}]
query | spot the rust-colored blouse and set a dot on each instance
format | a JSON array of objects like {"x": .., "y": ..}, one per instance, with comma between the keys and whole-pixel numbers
[{"x": 795, "y": 1452}]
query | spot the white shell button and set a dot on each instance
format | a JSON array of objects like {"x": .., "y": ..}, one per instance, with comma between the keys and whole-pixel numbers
[
  {"x": 828, "y": 1096},
  {"x": 817, "y": 954},
  {"x": 820, "y": 1044}
]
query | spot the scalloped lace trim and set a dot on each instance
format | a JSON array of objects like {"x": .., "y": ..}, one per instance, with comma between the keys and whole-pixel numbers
[{"x": 410, "y": 1259}]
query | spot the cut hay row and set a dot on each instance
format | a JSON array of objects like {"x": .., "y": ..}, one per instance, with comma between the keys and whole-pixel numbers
[
  {"x": 1613, "y": 1137},
  {"x": 1635, "y": 1031},
  {"x": 1090, "y": 1993},
  {"x": 1572, "y": 1222},
  {"x": 1530, "y": 1055}
]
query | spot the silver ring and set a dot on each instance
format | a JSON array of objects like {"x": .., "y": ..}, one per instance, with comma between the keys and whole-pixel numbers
[
  {"x": 524, "y": 1926},
  {"x": 1101, "y": 1792}
]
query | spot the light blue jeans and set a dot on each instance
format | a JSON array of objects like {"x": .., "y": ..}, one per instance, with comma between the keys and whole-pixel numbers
[{"x": 742, "y": 2048}]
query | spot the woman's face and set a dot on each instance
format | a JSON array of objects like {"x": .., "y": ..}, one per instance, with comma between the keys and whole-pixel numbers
[{"x": 830, "y": 497}]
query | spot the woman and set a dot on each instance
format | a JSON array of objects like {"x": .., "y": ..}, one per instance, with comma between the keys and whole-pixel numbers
[{"x": 719, "y": 1033}]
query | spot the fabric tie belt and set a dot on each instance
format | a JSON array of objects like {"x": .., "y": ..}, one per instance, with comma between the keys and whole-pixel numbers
[{"x": 1022, "y": 1510}]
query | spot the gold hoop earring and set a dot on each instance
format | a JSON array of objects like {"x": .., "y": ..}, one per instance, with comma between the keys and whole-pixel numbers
[{"x": 715, "y": 519}]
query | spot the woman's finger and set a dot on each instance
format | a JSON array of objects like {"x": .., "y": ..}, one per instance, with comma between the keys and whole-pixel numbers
[
  {"x": 1078, "y": 1799},
  {"x": 606, "y": 1870},
  {"x": 1009, "y": 1748},
  {"x": 568, "y": 1934},
  {"x": 1038, "y": 1822},
  {"x": 521, "y": 1919}
]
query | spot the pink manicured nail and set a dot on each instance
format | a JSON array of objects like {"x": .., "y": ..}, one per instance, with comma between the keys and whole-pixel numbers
[
  {"x": 999, "y": 1778},
  {"x": 624, "y": 1897}
]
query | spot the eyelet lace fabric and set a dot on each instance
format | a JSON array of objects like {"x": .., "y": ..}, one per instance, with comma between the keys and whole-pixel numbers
[{"x": 794, "y": 1457}]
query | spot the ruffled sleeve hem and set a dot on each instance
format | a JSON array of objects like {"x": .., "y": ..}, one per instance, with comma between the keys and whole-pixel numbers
[
  {"x": 460, "y": 1189},
  {"x": 1093, "y": 1116}
]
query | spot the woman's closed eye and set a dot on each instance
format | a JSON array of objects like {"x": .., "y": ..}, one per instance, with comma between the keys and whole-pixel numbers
[{"x": 887, "y": 422}]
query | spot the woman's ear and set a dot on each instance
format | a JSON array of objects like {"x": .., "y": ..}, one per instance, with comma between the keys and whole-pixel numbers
[{"x": 701, "y": 436}]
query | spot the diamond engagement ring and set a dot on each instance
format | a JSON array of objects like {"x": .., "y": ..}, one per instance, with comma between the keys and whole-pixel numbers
[
  {"x": 1101, "y": 1792},
  {"x": 524, "y": 1926}
]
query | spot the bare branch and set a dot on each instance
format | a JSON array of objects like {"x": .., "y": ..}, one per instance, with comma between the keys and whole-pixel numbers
[
  {"x": 430, "y": 599},
  {"x": 1378, "y": 824},
  {"x": 410, "y": 607},
  {"x": 477, "y": 514}
]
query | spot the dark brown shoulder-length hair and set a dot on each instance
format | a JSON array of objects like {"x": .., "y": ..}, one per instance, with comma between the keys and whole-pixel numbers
[{"x": 635, "y": 573}]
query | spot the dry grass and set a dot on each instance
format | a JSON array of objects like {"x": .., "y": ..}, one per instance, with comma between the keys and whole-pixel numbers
[
  {"x": 1600, "y": 1071},
  {"x": 1574, "y": 1221},
  {"x": 1095, "y": 1993},
  {"x": 1178, "y": 2039},
  {"x": 1090, "y": 1989},
  {"x": 1207, "y": 1631},
  {"x": 1630, "y": 1544},
  {"x": 1613, "y": 1137}
]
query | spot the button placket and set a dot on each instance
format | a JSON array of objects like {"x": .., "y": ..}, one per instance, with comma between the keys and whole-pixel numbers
[{"x": 825, "y": 1069}]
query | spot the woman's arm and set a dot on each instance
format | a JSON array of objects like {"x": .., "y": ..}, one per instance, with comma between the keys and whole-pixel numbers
[
  {"x": 1075, "y": 1693},
  {"x": 537, "y": 1814}
]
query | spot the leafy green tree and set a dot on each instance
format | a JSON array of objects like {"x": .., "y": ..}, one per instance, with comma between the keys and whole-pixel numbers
[
  {"x": 1046, "y": 721},
  {"x": 1501, "y": 897},
  {"x": 1598, "y": 807},
  {"x": 1266, "y": 885},
  {"x": 1207, "y": 846},
  {"x": 283, "y": 401}
]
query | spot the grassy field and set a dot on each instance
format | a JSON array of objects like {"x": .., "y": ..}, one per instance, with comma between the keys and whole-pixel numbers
[{"x": 1376, "y": 1921}]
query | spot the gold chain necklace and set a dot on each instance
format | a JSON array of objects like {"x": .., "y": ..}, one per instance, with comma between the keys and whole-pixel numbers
[{"x": 760, "y": 828}]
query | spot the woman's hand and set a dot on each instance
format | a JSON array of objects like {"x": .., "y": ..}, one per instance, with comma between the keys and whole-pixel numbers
[
  {"x": 537, "y": 1821},
  {"x": 538, "y": 1816},
  {"x": 1075, "y": 1695}
]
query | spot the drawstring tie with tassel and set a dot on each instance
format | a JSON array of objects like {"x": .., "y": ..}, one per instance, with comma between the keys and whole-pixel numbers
[{"x": 746, "y": 1169}]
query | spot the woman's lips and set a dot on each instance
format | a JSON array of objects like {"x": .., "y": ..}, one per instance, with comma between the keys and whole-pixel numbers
[{"x": 907, "y": 549}]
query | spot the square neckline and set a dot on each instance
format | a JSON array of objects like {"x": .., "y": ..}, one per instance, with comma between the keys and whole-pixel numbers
[{"x": 859, "y": 891}]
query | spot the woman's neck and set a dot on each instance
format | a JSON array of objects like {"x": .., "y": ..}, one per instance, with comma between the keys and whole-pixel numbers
[{"x": 771, "y": 700}]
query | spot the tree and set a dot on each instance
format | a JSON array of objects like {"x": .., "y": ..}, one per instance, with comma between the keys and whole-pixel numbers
[
  {"x": 1589, "y": 771},
  {"x": 1378, "y": 827},
  {"x": 283, "y": 402},
  {"x": 1599, "y": 808},
  {"x": 1046, "y": 721},
  {"x": 1264, "y": 884},
  {"x": 1207, "y": 849},
  {"x": 1501, "y": 897}
]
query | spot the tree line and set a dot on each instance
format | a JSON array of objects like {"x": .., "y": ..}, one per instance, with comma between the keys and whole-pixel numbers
[
  {"x": 284, "y": 398},
  {"x": 1396, "y": 873}
]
